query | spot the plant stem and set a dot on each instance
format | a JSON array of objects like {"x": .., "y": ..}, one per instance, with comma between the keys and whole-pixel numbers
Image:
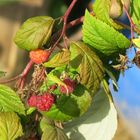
[
  {"x": 20, "y": 76},
  {"x": 132, "y": 25},
  {"x": 65, "y": 18},
  {"x": 10, "y": 80},
  {"x": 27, "y": 68}
]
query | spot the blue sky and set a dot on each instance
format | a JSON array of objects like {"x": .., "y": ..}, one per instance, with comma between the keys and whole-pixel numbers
[
  {"x": 128, "y": 98},
  {"x": 129, "y": 87}
]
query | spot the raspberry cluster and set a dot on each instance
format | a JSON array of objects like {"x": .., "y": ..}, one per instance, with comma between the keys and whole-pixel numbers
[
  {"x": 39, "y": 56},
  {"x": 70, "y": 86},
  {"x": 41, "y": 102}
]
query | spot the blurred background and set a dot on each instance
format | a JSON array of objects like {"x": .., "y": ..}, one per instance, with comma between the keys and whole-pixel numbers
[{"x": 12, "y": 60}]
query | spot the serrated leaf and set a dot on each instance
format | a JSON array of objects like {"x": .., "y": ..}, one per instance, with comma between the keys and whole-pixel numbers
[
  {"x": 9, "y": 101},
  {"x": 10, "y": 127},
  {"x": 88, "y": 65},
  {"x": 101, "y": 118},
  {"x": 102, "y": 37},
  {"x": 34, "y": 33},
  {"x": 2, "y": 73},
  {"x": 136, "y": 41},
  {"x": 68, "y": 107},
  {"x": 53, "y": 133},
  {"x": 135, "y": 11},
  {"x": 102, "y": 8},
  {"x": 54, "y": 78},
  {"x": 60, "y": 59}
]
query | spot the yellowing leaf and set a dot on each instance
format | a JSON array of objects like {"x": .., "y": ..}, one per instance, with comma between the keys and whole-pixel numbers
[
  {"x": 60, "y": 59},
  {"x": 34, "y": 33},
  {"x": 10, "y": 127},
  {"x": 136, "y": 41},
  {"x": 88, "y": 65},
  {"x": 53, "y": 133}
]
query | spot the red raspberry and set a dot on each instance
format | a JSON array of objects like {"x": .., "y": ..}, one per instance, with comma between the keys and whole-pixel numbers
[
  {"x": 69, "y": 88},
  {"x": 45, "y": 102},
  {"x": 39, "y": 56},
  {"x": 32, "y": 101}
]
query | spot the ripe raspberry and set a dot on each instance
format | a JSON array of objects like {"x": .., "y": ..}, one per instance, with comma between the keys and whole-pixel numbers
[
  {"x": 39, "y": 56},
  {"x": 70, "y": 86},
  {"x": 45, "y": 102},
  {"x": 32, "y": 101}
]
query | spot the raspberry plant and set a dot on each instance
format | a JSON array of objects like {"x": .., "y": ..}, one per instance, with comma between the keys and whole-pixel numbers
[{"x": 68, "y": 93}]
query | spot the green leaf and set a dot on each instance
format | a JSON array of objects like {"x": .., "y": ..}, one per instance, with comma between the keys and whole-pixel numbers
[
  {"x": 88, "y": 65},
  {"x": 54, "y": 78},
  {"x": 101, "y": 118},
  {"x": 136, "y": 41},
  {"x": 106, "y": 89},
  {"x": 55, "y": 114},
  {"x": 102, "y": 9},
  {"x": 10, "y": 127},
  {"x": 53, "y": 133},
  {"x": 60, "y": 59},
  {"x": 45, "y": 122},
  {"x": 9, "y": 101},
  {"x": 102, "y": 37},
  {"x": 113, "y": 78},
  {"x": 135, "y": 11},
  {"x": 30, "y": 110},
  {"x": 2, "y": 73},
  {"x": 34, "y": 33},
  {"x": 68, "y": 107}
]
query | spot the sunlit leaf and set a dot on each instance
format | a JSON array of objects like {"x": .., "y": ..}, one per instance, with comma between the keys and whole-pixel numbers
[
  {"x": 136, "y": 41},
  {"x": 9, "y": 101},
  {"x": 10, "y": 127},
  {"x": 34, "y": 33},
  {"x": 135, "y": 11},
  {"x": 102, "y": 37},
  {"x": 60, "y": 59},
  {"x": 53, "y": 133}
]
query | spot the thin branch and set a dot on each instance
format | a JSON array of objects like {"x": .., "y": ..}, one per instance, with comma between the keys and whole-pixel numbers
[
  {"x": 75, "y": 22},
  {"x": 20, "y": 76},
  {"x": 65, "y": 18},
  {"x": 10, "y": 80},
  {"x": 27, "y": 68},
  {"x": 132, "y": 25}
]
